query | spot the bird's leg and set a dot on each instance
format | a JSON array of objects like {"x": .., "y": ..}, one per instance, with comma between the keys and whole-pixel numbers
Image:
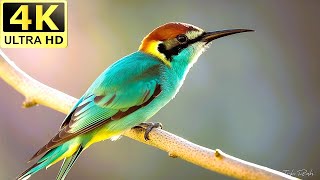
[{"x": 148, "y": 126}]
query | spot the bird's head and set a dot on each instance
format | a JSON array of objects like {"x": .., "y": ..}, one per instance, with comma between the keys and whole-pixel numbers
[{"x": 180, "y": 42}]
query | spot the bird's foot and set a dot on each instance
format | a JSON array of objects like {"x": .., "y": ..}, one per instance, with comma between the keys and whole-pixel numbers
[{"x": 148, "y": 126}]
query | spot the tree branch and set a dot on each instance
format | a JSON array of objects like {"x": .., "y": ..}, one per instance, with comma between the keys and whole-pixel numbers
[{"x": 214, "y": 160}]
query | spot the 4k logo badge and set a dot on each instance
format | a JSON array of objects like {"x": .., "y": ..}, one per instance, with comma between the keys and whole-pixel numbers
[{"x": 33, "y": 24}]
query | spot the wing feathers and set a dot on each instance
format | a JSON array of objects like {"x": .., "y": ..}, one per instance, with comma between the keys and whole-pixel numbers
[
  {"x": 111, "y": 97},
  {"x": 132, "y": 109},
  {"x": 67, "y": 132}
]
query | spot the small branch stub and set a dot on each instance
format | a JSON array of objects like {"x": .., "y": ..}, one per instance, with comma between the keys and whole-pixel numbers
[
  {"x": 29, "y": 102},
  {"x": 172, "y": 155},
  {"x": 217, "y": 153}
]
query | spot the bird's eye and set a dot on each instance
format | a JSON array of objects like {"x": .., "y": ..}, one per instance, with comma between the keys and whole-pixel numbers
[{"x": 182, "y": 38}]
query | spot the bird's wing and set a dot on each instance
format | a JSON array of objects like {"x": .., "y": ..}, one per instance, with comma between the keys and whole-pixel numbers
[
  {"x": 108, "y": 100},
  {"x": 99, "y": 109}
]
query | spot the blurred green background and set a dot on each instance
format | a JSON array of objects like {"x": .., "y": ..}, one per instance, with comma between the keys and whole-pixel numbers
[{"x": 253, "y": 95}]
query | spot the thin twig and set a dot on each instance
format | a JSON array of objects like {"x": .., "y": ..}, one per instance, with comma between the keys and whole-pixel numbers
[{"x": 214, "y": 160}]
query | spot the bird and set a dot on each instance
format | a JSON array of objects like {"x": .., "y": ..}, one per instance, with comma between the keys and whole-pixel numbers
[{"x": 128, "y": 93}]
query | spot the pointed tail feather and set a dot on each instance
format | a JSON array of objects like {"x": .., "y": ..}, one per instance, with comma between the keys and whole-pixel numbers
[
  {"x": 45, "y": 161},
  {"x": 51, "y": 157},
  {"x": 68, "y": 163},
  {"x": 33, "y": 169}
]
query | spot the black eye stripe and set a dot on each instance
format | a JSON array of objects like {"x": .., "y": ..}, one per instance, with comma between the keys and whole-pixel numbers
[
  {"x": 176, "y": 49},
  {"x": 162, "y": 49}
]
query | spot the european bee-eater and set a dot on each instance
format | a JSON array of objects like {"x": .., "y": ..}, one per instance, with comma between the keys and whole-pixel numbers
[{"x": 128, "y": 93}]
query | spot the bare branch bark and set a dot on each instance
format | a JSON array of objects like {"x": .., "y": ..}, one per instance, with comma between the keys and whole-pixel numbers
[{"x": 214, "y": 160}]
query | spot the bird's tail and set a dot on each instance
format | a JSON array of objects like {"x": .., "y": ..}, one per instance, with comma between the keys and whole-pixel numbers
[
  {"x": 66, "y": 151},
  {"x": 68, "y": 163}
]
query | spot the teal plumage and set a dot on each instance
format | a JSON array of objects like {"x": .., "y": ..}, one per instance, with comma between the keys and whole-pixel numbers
[
  {"x": 126, "y": 94},
  {"x": 107, "y": 96}
]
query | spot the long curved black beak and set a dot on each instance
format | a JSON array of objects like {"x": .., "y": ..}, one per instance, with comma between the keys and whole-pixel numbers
[{"x": 210, "y": 36}]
